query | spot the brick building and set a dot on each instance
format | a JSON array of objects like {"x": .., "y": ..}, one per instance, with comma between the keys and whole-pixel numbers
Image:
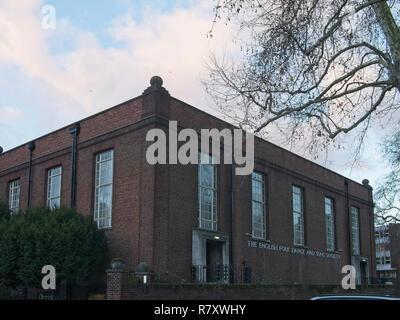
[
  {"x": 291, "y": 221},
  {"x": 387, "y": 238}
]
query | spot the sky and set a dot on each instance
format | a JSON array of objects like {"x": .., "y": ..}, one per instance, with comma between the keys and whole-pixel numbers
[{"x": 103, "y": 52}]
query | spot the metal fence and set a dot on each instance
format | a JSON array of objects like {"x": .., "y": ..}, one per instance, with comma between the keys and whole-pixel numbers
[
  {"x": 211, "y": 273},
  {"x": 379, "y": 281},
  {"x": 63, "y": 292}
]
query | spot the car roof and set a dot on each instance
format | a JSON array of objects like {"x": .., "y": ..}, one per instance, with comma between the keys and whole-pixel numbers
[{"x": 355, "y": 297}]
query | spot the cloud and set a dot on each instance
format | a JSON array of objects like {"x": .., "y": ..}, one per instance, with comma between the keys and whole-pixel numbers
[
  {"x": 89, "y": 77},
  {"x": 82, "y": 76},
  {"x": 23, "y": 44},
  {"x": 8, "y": 132},
  {"x": 9, "y": 114}
]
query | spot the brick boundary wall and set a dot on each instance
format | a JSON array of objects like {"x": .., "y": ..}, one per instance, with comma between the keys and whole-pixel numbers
[
  {"x": 118, "y": 288},
  {"x": 115, "y": 280},
  {"x": 246, "y": 292}
]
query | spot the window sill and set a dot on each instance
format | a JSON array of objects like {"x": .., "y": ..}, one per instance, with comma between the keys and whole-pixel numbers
[
  {"x": 105, "y": 228},
  {"x": 260, "y": 239},
  {"x": 208, "y": 230},
  {"x": 300, "y": 246},
  {"x": 333, "y": 251}
]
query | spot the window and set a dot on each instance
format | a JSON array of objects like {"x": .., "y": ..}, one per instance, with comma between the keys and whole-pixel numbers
[
  {"x": 298, "y": 216},
  {"x": 329, "y": 224},
  {"x": 14, "y": 189},
  {"x": 258, "y": 205},
  {"x": 387, "y": 257},
  {"x": 355, "y": 232},
  {"x": 386, "y": 233},
  {"x": 207, "y": 180},
  {"x": 103, "y": 189},
  {"x": 54, "y": 188}
]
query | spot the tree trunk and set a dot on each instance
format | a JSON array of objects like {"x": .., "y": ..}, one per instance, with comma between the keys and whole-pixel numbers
[{"x": 392, "y": 33}]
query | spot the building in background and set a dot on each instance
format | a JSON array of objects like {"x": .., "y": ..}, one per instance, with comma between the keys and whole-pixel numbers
[
  {"x": 290, "y": 221},
  {"x": 387, "y": 239}
]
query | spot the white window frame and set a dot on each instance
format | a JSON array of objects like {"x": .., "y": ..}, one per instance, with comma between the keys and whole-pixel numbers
[
  {"x": 355, "y": 231},
  {"x": 258, "y": 227},
  {"x": 14, "y": 193},
  {"x": 298, "y": 234},
  {"x": 205, "y": 222},
  {"x": 387, "y": 258},
  {"x": 105, "y": 221},
  {"x": 330, "y": 223},
  {"x": 52, "y": 174}
]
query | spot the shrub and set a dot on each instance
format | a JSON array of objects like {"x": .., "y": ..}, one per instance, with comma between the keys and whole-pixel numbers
[{"x": 62, "y": 238}]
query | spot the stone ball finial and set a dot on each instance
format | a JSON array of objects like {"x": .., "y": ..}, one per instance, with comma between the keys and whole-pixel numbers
[
  {"x": 366, "y": 184},
  {"x": 156, "y": 81}
]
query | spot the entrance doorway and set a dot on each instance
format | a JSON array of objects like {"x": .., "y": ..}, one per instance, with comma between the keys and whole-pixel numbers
[
  {"x": 363, "y": 272},
  {"x": 210, "y": 256},
  {"x": 214, "y": 253},
  {"x": 215, "y": 267}
]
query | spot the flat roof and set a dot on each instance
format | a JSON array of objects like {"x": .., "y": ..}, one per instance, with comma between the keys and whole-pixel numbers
[{"x": 189, "y": 105}]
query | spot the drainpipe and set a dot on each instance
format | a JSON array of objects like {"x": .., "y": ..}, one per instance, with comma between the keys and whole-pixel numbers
[
  {"x": 371, "y": 224},
  {"x": 74, "y": 131},
  {"x": 232, "y": 274},
  {"x": 31, "y": 147},
  {"x": 346, "y": 183}
]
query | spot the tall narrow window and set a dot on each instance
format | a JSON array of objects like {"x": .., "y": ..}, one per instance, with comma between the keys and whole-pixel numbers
[
  {"x": 14, "y": 190},
  {"x": 54, "y": 188},
  {"x": 298, "y": 216},
  {"x": 258, "y": 205},
  {"x": 355, "y": 232},
  {"x": 103, "y": 189},
  {"x": 207, "y": 182},
  {"x": 329, "y": 224},
  {"x": 387, "y": 257}
]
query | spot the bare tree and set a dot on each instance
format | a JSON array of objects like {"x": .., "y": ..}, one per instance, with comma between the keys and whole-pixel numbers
[
  {"x": 317, "y": 68},
  {"x": 387, "y": 196}
]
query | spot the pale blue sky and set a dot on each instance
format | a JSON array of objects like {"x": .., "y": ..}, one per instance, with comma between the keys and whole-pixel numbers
[
  {"x": 104, "y": 52},
  {"x": 97, "y": 15}
]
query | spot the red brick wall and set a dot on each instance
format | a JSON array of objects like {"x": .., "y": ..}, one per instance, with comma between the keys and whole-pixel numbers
[
  {"x": 394, "y": 238},
  {"x": 155, "y": 208},
  {"x": 104, "y": 131},
  {"x": 115, "y": 281},
  {"x": 282, "y": 169},
  {"x": 94, "y": 126}
]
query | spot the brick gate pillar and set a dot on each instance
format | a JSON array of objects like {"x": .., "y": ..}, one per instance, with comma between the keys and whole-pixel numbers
[{"x": 115, "y": 279}]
